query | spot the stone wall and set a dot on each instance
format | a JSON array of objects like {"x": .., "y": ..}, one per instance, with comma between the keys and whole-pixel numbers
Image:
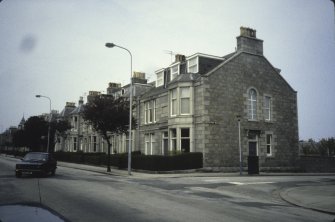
[{"x": 227, "y": 98}]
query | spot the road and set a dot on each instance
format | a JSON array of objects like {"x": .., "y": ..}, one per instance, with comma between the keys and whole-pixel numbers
[{"x": 80, "y": 195}]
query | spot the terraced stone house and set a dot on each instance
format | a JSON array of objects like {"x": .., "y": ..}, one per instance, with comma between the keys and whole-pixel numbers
[{"x": 195, "y": 105}]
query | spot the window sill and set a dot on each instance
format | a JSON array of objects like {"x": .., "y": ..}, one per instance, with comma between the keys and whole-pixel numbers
[
  {"x": 253, "y": 120},
  {"x": 148, "y": 124}
]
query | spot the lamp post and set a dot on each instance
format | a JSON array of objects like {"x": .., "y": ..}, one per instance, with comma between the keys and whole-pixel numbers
[
  {"x": 112, "y": 45},
  {"x": 39, "y": 96},
  {"x": 239, "y": 141}
]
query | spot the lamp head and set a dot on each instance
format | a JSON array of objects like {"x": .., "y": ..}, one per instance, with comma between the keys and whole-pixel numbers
[
  {"x": 38, "y": 96},
  {"x": 238, "y": 117},
  {"x": 109, "y": 45}
]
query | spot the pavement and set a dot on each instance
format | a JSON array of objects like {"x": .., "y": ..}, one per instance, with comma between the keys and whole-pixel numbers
[{"x": 317, "y": 197}]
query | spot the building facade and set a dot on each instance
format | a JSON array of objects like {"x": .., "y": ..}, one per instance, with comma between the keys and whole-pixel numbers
[
  {"x": 197, "y": 105},
  {"x": 198, "y": 100}
]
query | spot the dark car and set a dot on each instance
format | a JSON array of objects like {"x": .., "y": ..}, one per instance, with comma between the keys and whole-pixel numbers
[{"x": 36, "y": 163}]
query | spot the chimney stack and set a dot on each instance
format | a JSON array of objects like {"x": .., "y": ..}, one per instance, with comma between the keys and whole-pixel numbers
[
  {"x": 139, "y": 77},
  {"x": 247, "y": 41},
  {"x": 81, "y": 101},
  {"x": 180, "y": 58},
  {"x": 113, "y": 87}
]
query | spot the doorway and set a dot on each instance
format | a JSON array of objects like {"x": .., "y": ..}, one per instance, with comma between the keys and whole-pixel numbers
[{"x": 252, "y": 148}]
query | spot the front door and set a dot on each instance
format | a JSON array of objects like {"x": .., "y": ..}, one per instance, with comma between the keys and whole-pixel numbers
[{"x": 252, "y": 148}]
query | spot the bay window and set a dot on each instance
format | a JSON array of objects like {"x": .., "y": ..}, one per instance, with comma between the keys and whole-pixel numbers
[{"x": 180, "y": 101}]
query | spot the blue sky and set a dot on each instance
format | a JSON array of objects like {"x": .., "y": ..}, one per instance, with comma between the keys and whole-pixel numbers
[{"x": 56, "y": 48}]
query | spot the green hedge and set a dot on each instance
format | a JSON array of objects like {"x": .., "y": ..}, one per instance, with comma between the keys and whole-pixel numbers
[
  {"x": 80, "y": 157},
  {"x": 181, "y": 161}
]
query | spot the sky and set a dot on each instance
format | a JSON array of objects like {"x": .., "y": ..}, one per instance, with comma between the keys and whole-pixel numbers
[{"x": 56, "y": 48}]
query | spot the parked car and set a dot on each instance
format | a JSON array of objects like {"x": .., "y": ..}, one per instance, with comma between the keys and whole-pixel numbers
[{"x": 36, "y": 163}]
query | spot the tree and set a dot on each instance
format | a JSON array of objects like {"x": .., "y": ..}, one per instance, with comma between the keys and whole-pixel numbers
[
  {"x": 58, "y": 128},
  {"x": 107, "y": 115},
  {"x": 19, "y": 138},
  {"x": 36, "y": 131},
  {"x": 327, "y": 147}
]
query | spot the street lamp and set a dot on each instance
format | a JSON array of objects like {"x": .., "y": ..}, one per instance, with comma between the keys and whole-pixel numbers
[
  {"x": 39, "y": 96},
  {"x": 239, "y": 141},
  {"x": 111, "y": 45}
]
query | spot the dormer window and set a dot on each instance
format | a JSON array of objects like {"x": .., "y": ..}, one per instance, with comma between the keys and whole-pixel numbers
[
  {"x": 160, "y": 78},
  {"x": 193, "y": 65},
  {"x": 174, "y": 71}
]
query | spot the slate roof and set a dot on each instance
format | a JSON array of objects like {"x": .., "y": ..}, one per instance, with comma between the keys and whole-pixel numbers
[
  {"x": 154, "y": 91},
  {"x": 188, "y": 77},
  {"x": 77, "y": 110},
  {"x": 66, "y": 111}
]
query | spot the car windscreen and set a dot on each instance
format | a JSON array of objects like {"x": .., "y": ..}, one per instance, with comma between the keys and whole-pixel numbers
[{"x": 35, "y": 157}]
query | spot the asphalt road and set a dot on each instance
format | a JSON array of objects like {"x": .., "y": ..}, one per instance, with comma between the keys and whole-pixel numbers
[{"x": 80, "y": 195}]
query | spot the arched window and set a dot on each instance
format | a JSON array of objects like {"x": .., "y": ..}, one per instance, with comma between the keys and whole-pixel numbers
[{"x": 252, "y": 104}]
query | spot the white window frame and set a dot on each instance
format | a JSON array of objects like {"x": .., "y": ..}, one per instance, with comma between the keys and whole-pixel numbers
[
  {"x": 174, "y": 73},
  {"x": 252, "y": 104},
  {"x": 165, "y": 136},
  {"x": 146, "y": 111},
  {"x": 160, "y": 78},
  {"x": 155, "y": 111},
  {"x": 149, "y": 143},
  {"x": 185, "y": 98},
  {"x": 150, "y": 111},
  {"x": 173, "y": 139},
  {"x": 269, "y": 144},
  {"x": 178, "y": 138},
  {"x": 174, "y": 102},
  {"x": 193, "y": 65},
  {"x": 267, "y": 108},
  {"x": 184, "y": 138}
]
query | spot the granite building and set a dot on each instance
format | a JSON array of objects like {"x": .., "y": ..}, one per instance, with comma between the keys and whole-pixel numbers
[
  {"x": 198, "y": 101},
  {"x": 197, "y": 105}
]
